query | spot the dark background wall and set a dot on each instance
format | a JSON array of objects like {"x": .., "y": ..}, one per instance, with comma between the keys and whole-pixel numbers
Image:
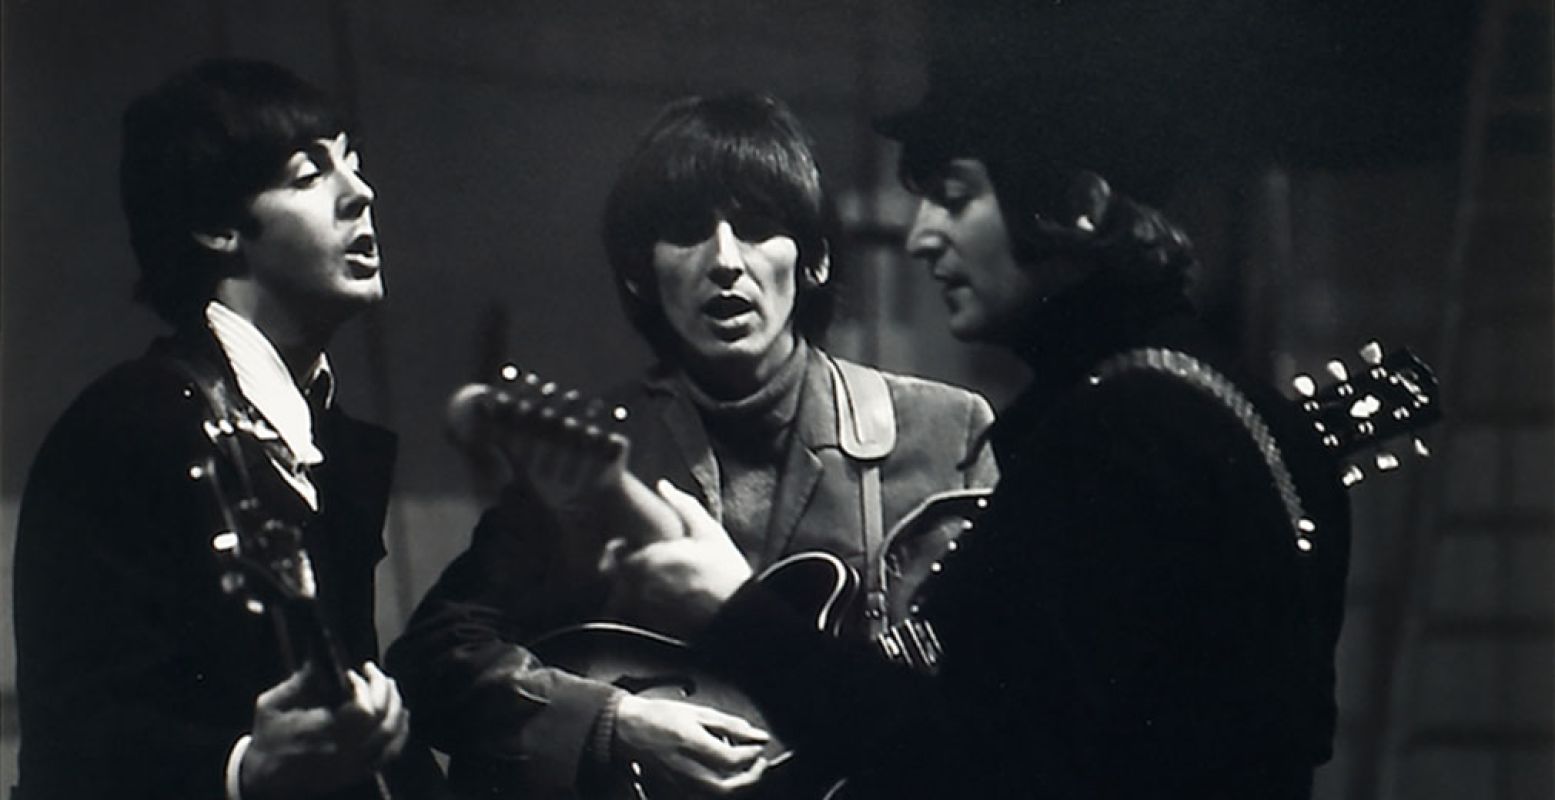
[{"x": 1347, "y": 175}]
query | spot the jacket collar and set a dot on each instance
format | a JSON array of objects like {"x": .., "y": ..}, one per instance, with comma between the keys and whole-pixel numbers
[{"x": 815, "y": 430}]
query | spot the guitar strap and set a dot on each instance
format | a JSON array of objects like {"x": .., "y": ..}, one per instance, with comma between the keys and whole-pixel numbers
[
  {"x": 866, "y": 423},
  {"x": 1208, "y": 380}
]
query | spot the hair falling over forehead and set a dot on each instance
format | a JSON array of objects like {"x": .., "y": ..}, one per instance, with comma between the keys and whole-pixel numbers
[
  {"x": 196, "y": 149},
  {"x": 742, "y": 156},
  {"x": 739, "y": 154}
]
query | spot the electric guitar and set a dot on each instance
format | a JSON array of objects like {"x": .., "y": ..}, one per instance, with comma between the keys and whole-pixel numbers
[
  {"x": 521, "y": 409},
  {"x": 265, "y": 563},
  {"x": 1394, "y": 394}
]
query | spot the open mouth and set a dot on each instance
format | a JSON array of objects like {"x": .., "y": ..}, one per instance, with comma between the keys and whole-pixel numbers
[
  {"x": 363, "y": 250},
  {"x": 727, "y": 307}
]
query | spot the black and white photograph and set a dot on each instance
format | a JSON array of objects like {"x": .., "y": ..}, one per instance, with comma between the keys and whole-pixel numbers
[{"x": 777, "y": 400}]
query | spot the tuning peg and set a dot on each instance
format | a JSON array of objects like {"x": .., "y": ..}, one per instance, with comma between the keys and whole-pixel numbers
[
  {"x": 1371, "y": 352},
  {"x": 225, "y": 542},
  {"x": 1304, "y": 385},
  {"x": 1386, "y": 461},
  {"x": 1337, "y": 369},
  {"x": 1366, "y": 407},
  {"x": 1352, "y": 476},
  {"x": 509, "y": 372},
  {"x": 619, "y": 413},
  {"x": 1421, "y": 450},
  {"x": 196, "y": 472}
]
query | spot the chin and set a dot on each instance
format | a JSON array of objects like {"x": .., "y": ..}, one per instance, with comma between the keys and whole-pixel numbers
[
  {"x": 367, "y": 293},
  {"x": 966, "y": 328}
]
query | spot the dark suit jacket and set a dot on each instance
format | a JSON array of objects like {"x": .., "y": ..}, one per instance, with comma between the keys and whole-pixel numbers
[
  {"x": 1131, "y": 618},
  {"x": 474, "y": 688},
  {"x": 136, "y": 673}
]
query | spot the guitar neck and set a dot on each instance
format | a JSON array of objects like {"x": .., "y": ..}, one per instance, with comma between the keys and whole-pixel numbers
[{"x": 307, "y": 640}]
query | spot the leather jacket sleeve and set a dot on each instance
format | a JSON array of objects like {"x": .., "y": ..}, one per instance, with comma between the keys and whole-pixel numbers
[{"x": 472, "y": 685}]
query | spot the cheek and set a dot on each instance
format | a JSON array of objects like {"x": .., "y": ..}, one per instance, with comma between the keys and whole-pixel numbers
[
  {"x": 290, "y": 232},
  {"x": 779, "y": 270},
  {"x": 674, "y": 276}
]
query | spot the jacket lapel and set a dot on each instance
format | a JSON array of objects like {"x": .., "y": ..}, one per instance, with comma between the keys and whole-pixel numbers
[{"x": 684, "y": 428}]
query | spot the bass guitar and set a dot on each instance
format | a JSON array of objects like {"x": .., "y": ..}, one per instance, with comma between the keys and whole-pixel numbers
[{"x": 265, "y": 563}]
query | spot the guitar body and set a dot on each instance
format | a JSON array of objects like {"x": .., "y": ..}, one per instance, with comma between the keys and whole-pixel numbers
[
  {"x": 917, "y": 545},
  {"x": 818, "y": 585}
]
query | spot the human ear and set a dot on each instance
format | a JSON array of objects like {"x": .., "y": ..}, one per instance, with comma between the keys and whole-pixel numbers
[
  {"x": 1089, "y": 198},
  {"x": 220, "y": 240},
  {"x": 818, "y": 273}
]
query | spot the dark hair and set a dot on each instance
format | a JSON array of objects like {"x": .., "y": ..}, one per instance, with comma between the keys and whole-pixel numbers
[
  {"x": 196, "y": 149},
  {"x": 741, "y": 153},
  {"x": 1042, "y": 197}
]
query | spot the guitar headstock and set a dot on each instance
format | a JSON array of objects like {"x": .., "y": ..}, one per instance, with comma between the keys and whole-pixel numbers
[
  {"x": 263, "y": 558},
  {"x": 1392, "y": 395},
  {"x": 559, "y": 440}
]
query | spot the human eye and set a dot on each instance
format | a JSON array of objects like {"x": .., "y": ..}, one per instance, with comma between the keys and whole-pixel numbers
[
  {"x": 756, "y": 227},
  {"x": 303, "y": 171},
  {"x": 684, "y": 230},
  {"x": 950, "y": 193}
]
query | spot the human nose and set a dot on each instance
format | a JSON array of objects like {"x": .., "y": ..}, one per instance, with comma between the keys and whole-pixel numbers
[
  {"x": 926, "y": 239},
  {"x": 728, "y": 258},
  {"x": 356, "y": 194}
]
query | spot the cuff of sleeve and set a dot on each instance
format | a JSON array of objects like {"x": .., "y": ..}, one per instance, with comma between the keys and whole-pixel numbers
[
  {"x": 235, "y": 767},
  {"x": 600, "y": 753},
  {"x": 556, "y": 740}
]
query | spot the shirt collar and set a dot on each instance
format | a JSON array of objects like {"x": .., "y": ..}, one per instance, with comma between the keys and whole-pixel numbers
[{"x": 265, "y": 381}]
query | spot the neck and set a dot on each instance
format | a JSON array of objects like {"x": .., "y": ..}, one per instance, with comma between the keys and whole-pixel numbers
[
  {"x": 733, "y": 381},
  {"x": 299, "y": 338},
  {"x": 757, "y": 414},
  {"x": 1068, "y": 333}
]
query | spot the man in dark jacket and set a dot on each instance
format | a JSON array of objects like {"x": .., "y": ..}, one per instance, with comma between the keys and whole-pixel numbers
[
  {"x": 715, "y": 233},
  {"x": 138, "y": 675},
  {"x": 1150, "y": 606}
]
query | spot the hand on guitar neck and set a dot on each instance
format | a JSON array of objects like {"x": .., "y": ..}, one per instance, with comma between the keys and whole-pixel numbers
[
  {"x": 566, "y": 450},
  {"x": 327, "y": 726},
  {"x": 299, "y": 748},
  {"x": 673, "y": 563}
]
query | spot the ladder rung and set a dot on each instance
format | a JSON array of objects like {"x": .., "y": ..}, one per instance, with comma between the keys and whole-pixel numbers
[
  {"x": 1503, "y": 628},
  {"x": 1480, "y": 738}
]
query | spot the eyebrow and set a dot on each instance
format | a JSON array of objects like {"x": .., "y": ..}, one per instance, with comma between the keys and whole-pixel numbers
[{"x": 318, "y": 151}]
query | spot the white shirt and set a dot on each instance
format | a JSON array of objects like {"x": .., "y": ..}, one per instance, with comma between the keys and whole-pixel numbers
[{"x": 266, "y": 382}]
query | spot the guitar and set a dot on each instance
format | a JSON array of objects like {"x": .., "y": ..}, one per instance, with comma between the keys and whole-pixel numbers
[
  {"x": 521, "y": 408},
  {"x": 1395, "y": 394},
  {"x": 265, "y": 564}
]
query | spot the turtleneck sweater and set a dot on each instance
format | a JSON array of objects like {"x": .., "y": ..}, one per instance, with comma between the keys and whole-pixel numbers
[{"x": 750, "y": 436}]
